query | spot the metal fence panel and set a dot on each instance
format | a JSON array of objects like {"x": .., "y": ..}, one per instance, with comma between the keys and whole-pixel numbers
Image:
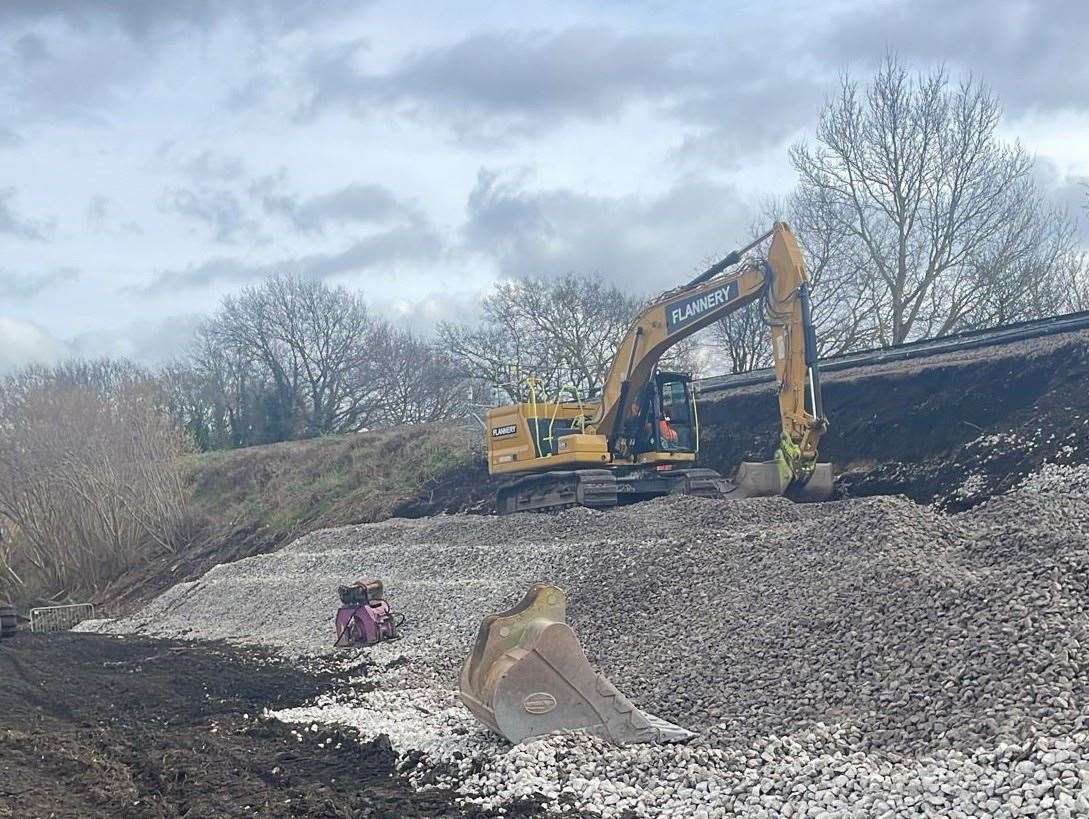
[{"x": 59, "y": 618}]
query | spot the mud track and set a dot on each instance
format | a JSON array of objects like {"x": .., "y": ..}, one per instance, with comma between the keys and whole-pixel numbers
[{"x": 96, "y": 726}]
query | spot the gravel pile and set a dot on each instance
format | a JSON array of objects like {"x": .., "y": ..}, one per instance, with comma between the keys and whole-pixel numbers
[
  {"x": 1060, "y": 478},
  {"x": 867, "y": 657}
]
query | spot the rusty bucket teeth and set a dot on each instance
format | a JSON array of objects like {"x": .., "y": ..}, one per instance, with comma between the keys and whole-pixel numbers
[{"x": 528, "y": 676}]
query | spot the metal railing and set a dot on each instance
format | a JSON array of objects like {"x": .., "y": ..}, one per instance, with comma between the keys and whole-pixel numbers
[{"x": 59, "y": 618}]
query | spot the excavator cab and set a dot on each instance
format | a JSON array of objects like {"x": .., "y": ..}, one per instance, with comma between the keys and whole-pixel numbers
[{"x": 663, "y": 419}]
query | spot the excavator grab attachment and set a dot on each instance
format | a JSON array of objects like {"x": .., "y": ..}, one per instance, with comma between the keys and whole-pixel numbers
[
  {"x": 528, "y": 676},
  {"x": 767, "y": 479}
]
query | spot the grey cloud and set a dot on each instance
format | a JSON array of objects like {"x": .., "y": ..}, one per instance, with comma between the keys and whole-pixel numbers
[
  {"x": 494, "y": 85},
  {"x": 589, "y": 71},
  {"x": 137, "y": 17},
  {"x": 98, "y": 209},
  {"x": 30, "y": 49},
  {"x": 645, "y": 244},
  {"x": 400, "y": 244},
  {"x": 332, "y": 77},
  {"x": 229, "y": 215},
  {"x": 146, "y": 342},
  {"x": 735, "y": 92},
  {"x": 80, "y": 71},
  {"x": 72, "y": 80},
  {"x": 209, "y": 165},
  {"x": 352, "y": 203},
  {"x": 18, "y": 286},
  {"x": 249, "y": 94},
  {"x": 14, "y": 224},
  {"x": 424, "y": 315},
  {"x": 141, "y": 18},
  {"x": 9, "y": 138},
  {"x": 220, "y": 210},
  {"x": 1031, "y": 52},
  {"x": 746, "y": 115},
  {"x": 519, "y": 77}
]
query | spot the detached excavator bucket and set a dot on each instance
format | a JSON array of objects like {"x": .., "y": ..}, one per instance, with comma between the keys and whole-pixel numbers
[
  {"x": 528, "y": 676},
  {"x": 766, "y": 479}
]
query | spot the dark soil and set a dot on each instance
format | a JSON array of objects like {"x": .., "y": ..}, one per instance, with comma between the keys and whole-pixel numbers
[
  {"x": 95, "y": 726},
  {"x": 922, "y": 429}
]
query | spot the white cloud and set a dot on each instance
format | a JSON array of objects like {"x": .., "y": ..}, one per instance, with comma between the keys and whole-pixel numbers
[{"x": 22, "y": 343}]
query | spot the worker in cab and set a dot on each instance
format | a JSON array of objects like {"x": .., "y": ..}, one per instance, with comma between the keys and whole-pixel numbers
[{"x": 666, "y": 433}]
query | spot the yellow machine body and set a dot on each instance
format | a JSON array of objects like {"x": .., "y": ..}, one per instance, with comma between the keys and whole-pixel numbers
[{"x": 643, "y": 429}]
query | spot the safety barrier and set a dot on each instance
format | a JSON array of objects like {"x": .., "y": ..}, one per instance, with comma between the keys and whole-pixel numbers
[{"x": 59, "y": 618}]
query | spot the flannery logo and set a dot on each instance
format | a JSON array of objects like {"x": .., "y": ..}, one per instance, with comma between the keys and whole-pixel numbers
[
  {"x": 688, "y": 310},
  {"x": 499, "y": 432}
]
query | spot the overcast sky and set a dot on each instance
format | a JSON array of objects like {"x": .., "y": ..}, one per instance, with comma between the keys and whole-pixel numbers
[{"x": 158, "y": 154}]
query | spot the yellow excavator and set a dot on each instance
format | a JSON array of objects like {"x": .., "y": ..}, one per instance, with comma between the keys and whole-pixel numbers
[
  {"x": 527, "y": 675},
  {"x": 639, "y": 439}
]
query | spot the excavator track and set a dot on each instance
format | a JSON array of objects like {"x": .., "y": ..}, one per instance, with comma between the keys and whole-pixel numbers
[
  {"x": 604, "y": 489},
  {"x": 703, "y": 483},
  {"x": 593, "y": 488}
]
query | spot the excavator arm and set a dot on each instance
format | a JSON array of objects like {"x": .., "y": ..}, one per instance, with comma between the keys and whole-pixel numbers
[{"x": 782, "y": 283}]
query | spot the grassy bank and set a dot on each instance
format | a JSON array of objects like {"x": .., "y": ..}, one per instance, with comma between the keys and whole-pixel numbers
[{"x": 251, "y": 501}]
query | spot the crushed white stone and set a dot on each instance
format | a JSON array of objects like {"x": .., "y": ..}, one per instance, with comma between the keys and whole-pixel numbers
[
  {"x": 861, "y": 658},
  {"x": 1058, "y": 478}
]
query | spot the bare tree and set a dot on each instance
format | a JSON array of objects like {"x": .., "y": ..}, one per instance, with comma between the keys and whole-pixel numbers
[
  {"x": 1073, "y": 280},
  {"x": 224, "y": 398},
  {"x": 90, "y": 478},
  {"x": 563, "y": 331},
  {"x": 418, "y": 382},
  {"x": 318, "y": 346},
  {"x": 495, "y": 354},
  {"x": 742, "y": 340},
  {"x": 927, "y": 213}
]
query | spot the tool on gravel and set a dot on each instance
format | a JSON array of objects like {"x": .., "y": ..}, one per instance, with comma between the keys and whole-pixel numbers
[
  {"x": 365, "y": 617},
  {"x": 639, "y": 439},
  {"x": 528, "y": 676}
]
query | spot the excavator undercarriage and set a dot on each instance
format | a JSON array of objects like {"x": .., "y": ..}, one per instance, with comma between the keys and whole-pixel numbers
[{"x": 604, "y": 488}]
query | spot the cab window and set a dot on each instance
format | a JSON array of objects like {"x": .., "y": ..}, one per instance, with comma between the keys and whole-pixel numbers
[{"x": 675, "y": 417}]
